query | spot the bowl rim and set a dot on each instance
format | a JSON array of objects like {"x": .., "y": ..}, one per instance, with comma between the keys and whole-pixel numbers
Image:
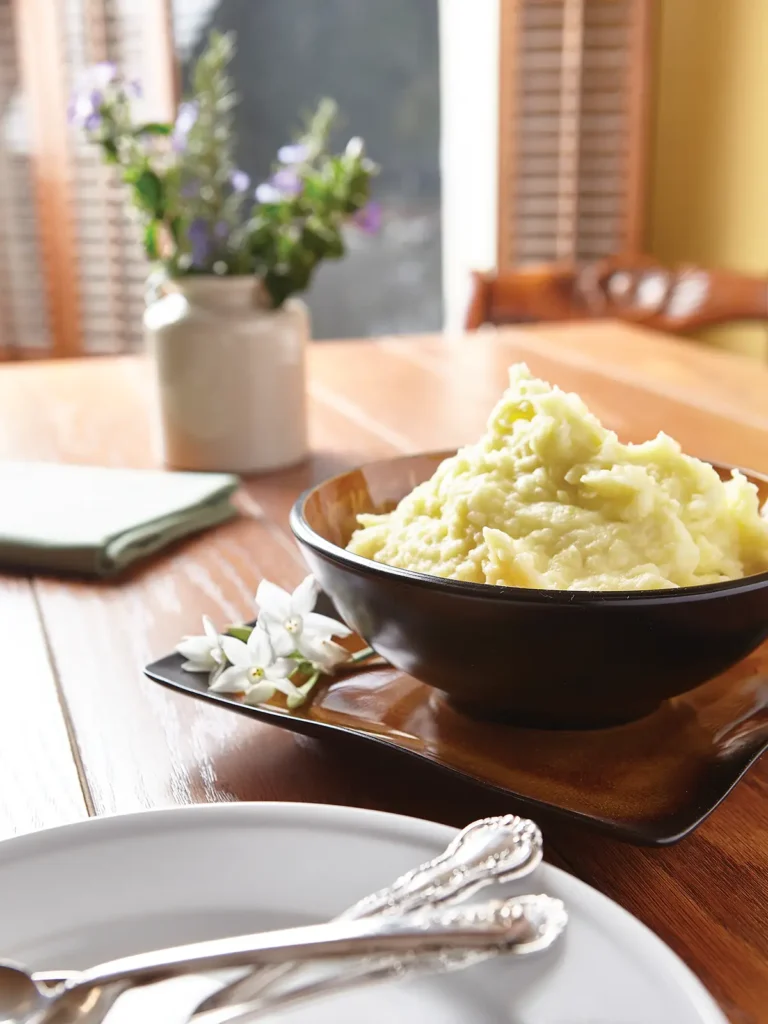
[{"x": 305, "y": 534}]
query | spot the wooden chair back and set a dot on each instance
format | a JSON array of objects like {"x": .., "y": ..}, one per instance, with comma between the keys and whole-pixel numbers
[{"x": 631, "y": 288}]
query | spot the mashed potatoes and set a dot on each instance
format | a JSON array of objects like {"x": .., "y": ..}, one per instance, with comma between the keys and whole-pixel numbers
[{"x": 549, "y": 498}]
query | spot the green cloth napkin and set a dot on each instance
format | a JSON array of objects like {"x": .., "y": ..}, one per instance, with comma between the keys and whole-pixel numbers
[{"x": 96, "y": 521}]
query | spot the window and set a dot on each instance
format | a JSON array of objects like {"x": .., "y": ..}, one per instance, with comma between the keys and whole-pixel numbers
[{"x": 507, "y": 131}]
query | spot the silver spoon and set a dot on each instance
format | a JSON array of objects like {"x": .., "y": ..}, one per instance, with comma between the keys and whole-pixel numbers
[
  {"x": 546, "y": 916},
  {"x": 499, "y": 849},
  {"x": 24, "y": 995},
  {"x": 88, "y": 996},
  {"x": 20, "y": 994}
]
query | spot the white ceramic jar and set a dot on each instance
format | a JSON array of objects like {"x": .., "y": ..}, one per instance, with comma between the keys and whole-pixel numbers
[{"x": 230, "y": 376}]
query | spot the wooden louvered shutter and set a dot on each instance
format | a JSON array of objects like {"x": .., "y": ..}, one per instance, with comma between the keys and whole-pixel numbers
[
  {"x": 111, "y": 262},
  {"x": 68, "y": 246},
  {"x": 23, "y": 300},
  {"x": 574, "y": 94}
]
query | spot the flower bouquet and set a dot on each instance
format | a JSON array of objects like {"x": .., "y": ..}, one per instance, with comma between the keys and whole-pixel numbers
[
  {"x": 224, "y": 328},
  {"x": 289, "y": 641},
  {"x": 198, "y": 210}
]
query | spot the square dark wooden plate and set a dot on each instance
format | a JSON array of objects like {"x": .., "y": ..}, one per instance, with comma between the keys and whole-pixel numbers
[{"x": 650, "y": 782}]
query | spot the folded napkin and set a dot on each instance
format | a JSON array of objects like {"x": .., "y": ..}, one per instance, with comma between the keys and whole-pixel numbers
[{"x": 96, "y": 521}]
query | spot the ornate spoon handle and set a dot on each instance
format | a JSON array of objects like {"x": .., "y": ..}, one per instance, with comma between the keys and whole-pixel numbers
[
  {"x": 432, "y": 931},
  {"x": 500, "y": 849},
  {"x": 546, "y": 916}
]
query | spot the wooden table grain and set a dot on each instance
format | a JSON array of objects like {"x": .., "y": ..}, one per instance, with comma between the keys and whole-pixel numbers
[{"x": 82, "y": 731}]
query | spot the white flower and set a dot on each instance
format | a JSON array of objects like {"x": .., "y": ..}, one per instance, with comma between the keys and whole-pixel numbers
[
  {"x": 254, "y": 669},
  {"x": 291, "y": 622},
  {"x": 324, "y": 654},
  {"x": 203, "y": 653}
]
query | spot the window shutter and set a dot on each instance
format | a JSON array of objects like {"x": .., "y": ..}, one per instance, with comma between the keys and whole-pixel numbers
[
  {"x": 70, "y": 247},
  {"x": 111, "y": 263},
  {"x": 23, "y": 299},
  {"x": 573, "y": 106}
]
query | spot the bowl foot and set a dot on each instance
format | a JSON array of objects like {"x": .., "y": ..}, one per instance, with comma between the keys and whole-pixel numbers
[{"x": 532, "y": 718}]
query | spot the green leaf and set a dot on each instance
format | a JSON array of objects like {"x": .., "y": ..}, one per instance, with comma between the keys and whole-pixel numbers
[
  {"x": 335, "y": 247},
  {"x": 153, "y": 128},
  {"x": 175, "y": 228},
  {"x": 300, "y": 276},
  {"x": 150, "y": 241},
  {"x": 149, "y": 190},
  {"x": 278, "y": 288},
  {"x": 110, "y": 150}
]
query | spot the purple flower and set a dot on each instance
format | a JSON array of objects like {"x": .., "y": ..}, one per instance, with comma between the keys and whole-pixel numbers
[
  {"x": 287, "y": 181},
  {"x": 240, "y": 181},
  {"x": 185, "y": 120},
  {"x": 85, "y": 109},
  {"x": 369, "y": 218},
  {"x": 199, "y": 240},
  {"x": 296, "y": 153},
  {"x": 88, "y": 97},
  {"x": 267, "y": 193},
  {"x": 284, "y": 184},
  {"x": 221, "y": 229}
]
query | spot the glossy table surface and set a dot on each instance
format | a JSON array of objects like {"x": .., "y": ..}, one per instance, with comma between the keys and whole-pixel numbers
[{"x": 82, "y": 731}]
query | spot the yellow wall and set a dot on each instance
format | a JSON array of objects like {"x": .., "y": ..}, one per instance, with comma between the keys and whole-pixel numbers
[{"x": 709, "y": 164}]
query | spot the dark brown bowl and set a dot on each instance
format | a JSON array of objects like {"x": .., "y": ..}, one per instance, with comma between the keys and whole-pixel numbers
[{"x": 564, "y": 659}]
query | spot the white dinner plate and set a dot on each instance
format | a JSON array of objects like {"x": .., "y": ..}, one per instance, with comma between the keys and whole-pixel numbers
[{"x": 76, "y": 895}]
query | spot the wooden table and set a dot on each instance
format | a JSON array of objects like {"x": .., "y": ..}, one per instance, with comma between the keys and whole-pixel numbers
[{"x": 82, "y": 731}]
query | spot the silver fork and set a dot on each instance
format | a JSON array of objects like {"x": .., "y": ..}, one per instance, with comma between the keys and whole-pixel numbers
[
  {"x": 433, "y": 933},
  {"x": 546, "y": 917},
  {"x": 499, "y": 849},
  {"x": 494, "y": 849}
]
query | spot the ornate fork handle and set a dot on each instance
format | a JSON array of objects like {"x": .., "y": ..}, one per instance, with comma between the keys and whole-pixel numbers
[
  {"x": 431, "y": 932},
  {"x": 546, "y": 918},
  {"x": 490, "y": 850},
  {"x": 500, "y": 849}
]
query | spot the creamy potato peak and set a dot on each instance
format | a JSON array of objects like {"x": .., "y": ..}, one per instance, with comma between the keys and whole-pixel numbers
[{"x": 549, "y": 498}]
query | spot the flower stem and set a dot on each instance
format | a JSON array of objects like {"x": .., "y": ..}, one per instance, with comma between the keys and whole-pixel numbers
[
  {"x": 240, "y": 632},
  {"x": 363, "y": 655},
  {"x": 296, "y": 700}
]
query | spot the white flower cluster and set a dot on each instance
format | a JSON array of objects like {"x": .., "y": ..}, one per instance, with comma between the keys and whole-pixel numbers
[{"x": 289, "y": 638}]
